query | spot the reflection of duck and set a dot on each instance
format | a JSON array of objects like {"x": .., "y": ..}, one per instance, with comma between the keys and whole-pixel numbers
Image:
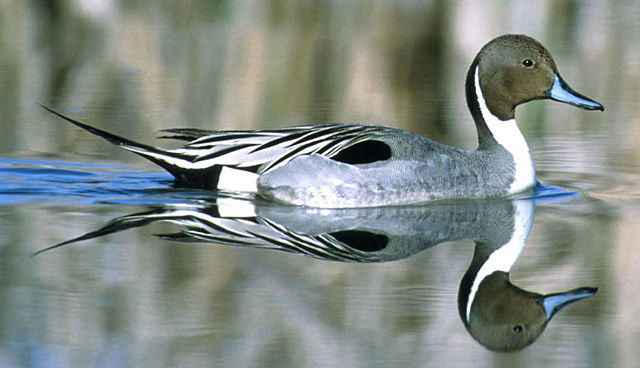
[
  {"x": 340, "y": 165},
  {"x": 497, "y": 314}
]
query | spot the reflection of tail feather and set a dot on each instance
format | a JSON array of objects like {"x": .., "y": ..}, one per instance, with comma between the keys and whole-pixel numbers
[
  {"x": 181, "y": 237},
  {"x": 205, "y": 225},
  {"x": 114, "y": 226},
  {"x": 265, "y": 233}
]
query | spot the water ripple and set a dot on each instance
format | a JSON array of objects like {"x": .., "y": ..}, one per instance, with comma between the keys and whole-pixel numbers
[
  {"x": 38, "y": 181},
  {"x": 47, "y": 182}
]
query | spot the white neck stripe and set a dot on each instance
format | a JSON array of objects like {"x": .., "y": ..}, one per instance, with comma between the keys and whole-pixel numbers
[
  {"x": 503, "y": 258},
  {"x": 507, "y": 134}
]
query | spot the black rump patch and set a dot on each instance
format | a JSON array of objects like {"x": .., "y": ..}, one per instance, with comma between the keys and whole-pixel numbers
[
  {"x": 364, "y": 153},
  {"x": 362, "y": 240}
]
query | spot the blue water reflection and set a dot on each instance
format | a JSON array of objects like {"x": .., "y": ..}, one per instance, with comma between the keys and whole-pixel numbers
[{"x": 40, "y": 181}]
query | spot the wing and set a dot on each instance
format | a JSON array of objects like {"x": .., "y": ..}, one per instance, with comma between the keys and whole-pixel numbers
[{"x": 264, "y": 150}]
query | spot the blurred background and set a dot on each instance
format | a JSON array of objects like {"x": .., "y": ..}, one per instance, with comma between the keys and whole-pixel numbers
[{"x": 134, "y": 67}]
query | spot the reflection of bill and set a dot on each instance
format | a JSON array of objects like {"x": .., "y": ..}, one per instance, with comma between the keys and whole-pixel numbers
[{"x": 496, "y": 313}]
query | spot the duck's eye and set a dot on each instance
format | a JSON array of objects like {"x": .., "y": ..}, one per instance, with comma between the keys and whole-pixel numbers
[
  {"x": 517, "y": 328},
  {"x": 527, "y": 63}
]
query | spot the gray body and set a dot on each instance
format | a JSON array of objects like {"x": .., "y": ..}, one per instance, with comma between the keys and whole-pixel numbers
[{"x": 419, "y": 170}]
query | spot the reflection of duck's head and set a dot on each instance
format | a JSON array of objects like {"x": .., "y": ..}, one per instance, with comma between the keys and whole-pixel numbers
[
  {"x": 498, "y": 314},
  {"x": 505, "y": 317}
]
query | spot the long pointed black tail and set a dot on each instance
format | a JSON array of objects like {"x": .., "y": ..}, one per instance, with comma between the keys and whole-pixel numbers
[{"x": 176, "y": 164}]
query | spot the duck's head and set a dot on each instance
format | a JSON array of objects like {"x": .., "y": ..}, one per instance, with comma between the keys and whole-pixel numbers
[{"x": 514, "y": 69}]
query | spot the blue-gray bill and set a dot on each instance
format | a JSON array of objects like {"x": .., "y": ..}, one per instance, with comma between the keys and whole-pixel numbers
[
  {"x": 552, "y": 303},
  {"x": 560, "y": 91}
]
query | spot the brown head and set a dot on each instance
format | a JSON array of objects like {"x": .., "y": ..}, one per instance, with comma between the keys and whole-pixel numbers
[{"x": 514, "y": 69}]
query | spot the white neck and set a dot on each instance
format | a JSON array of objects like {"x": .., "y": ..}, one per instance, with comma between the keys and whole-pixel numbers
[
  {"x": 503, "y": 258},
  {"x": 507, "y": 134}
]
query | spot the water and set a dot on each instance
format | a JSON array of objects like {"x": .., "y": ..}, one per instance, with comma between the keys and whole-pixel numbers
[
  {"x": 157, "y": 286},
  {"x": 128, "y": 295}
]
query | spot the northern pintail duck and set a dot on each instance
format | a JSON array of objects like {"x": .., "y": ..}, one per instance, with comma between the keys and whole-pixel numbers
[{"x": 353, "y": 165}]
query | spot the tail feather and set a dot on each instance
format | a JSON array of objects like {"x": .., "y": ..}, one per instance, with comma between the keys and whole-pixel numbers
[
  {"x": 186, "y": 134},
  {"x": 176, "y": 164}
]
